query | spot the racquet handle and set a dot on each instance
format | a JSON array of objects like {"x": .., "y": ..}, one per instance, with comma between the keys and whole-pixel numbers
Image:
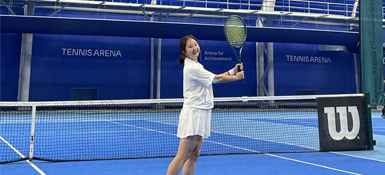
[{"x": 239, "y": 68}]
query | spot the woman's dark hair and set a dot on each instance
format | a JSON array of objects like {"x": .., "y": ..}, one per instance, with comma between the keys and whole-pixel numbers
[{"x": 182, "y": 47}]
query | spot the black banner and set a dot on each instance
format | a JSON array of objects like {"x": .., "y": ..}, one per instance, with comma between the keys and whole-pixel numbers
[{"x": 342, "y": 123}]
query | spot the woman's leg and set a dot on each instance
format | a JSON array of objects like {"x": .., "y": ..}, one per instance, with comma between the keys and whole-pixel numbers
[
  {"x": 383, "y": 112},
  {"x": 189, "y": 166},
  {"x": 186, "y": 147}
]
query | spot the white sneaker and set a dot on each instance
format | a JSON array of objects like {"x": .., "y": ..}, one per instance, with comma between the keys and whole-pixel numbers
[{"x": 383, "y": 116}]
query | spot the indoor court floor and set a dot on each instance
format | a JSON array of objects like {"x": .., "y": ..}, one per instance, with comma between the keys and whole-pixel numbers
[{"x": 343, "y": 162}]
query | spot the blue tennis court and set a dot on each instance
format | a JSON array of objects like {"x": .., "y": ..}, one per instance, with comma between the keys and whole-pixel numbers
[
  {"x": 150, "y": 135},
  {"x": 96, "y": 87},
  {"x": 131, "y": 135}
]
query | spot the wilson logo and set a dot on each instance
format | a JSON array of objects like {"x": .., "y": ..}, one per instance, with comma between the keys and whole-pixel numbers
[{"x": 344, "y": 131}]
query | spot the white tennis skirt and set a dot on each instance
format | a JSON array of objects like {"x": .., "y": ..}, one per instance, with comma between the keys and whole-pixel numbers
[{"x": 194, "y": 121}]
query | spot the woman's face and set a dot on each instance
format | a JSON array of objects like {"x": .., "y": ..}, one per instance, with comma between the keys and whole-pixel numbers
[{"x": 192, "y": 49}]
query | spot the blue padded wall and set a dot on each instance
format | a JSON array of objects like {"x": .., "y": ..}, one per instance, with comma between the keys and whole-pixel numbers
[{"x": 64, "y": 57}]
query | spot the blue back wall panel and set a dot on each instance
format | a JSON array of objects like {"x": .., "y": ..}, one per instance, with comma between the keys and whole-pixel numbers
[
  {"x": 62, "y": 62},
  {"x": 118, "y": 66},
  {"x": 9, "y": 65},
  {"x": 302, "y": 66}
]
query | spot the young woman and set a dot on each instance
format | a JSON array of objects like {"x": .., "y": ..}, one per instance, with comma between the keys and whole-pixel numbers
[{"x": 195, "y": 117}]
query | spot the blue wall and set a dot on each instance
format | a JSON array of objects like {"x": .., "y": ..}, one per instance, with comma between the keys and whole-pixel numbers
[
  {"x": 10, "y": 45},
  {"x": 119, "y": 67},
  {"x": 303, "y": 67},
  {"x": 123, "y": 70}
]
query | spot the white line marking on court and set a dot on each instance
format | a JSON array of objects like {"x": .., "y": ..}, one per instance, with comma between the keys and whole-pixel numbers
[
  {"x": 322, "y": 166},
  {"x": 220, "y": 133},
  {"x": 22, "y": 156},
  {"x": 13, "y": 148},
  {"x": 253, "y": 151},
  {"x": 142, "y": 128},
  {"x": 36, "y": 168},
  {"x": 358, "y": 157},
  {"x": 265, "y": 140},
  {"x": 175, "y": 135},
  {"x": 104, "y": 131}
]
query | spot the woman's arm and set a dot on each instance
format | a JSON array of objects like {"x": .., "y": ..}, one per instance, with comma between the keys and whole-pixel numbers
[
  {"x": 224, "y": 78},
  {"x": 231, "y": 75}
]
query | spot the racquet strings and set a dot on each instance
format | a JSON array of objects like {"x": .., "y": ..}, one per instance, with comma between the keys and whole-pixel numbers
[{"x": 235, "y": 31}]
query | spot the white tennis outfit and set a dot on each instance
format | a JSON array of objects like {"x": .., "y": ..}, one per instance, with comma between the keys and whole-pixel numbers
[{"x": 195, "y": 117}]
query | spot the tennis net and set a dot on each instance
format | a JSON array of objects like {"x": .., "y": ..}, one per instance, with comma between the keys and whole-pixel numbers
[{"x": 120, "y": 129}]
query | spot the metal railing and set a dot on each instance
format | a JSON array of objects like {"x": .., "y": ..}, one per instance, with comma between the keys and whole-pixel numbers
[{"x": 347, "y": 8}]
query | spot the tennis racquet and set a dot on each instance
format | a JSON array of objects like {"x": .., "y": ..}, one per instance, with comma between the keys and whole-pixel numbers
[{"x": 236, "y": 33}]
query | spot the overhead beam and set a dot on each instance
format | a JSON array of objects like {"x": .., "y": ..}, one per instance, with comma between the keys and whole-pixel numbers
[{"x": 125, "y": 28}]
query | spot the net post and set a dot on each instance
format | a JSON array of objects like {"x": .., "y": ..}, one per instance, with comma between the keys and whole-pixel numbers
[
  {"x": 369, "y": 122},
  {"x": 30, "y": 157}
]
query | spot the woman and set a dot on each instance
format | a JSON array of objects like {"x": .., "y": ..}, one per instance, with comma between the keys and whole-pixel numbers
[{"x": 195, "y": 117}]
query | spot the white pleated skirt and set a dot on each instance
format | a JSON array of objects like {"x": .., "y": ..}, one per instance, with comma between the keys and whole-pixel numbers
[{"x": 194, "y": 121}]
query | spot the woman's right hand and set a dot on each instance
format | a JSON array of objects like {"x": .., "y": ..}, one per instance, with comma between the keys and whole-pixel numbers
[{"x": 240, "y": 75}]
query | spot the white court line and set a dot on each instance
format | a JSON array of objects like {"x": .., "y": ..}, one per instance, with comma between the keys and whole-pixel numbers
[
  {"x": 175, "y": 135},
  {"x": 22, "y": 156},
  {"x": 358, "y": 156},
  {"x": 219, "y": 133},
  {"x": 322, "y": 166},
  {"x": 36, "y": 168},
  {"x": 142, "y": 128},
  {"x": 295, "y": 160},
  {"x": 103, "y": 132},
  {"x": 13, "y": 148},
  {"x": 266, "y": 140}
]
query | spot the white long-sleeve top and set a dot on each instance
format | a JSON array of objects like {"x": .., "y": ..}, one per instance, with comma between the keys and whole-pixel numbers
[{"x": 197, "y": 85}]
